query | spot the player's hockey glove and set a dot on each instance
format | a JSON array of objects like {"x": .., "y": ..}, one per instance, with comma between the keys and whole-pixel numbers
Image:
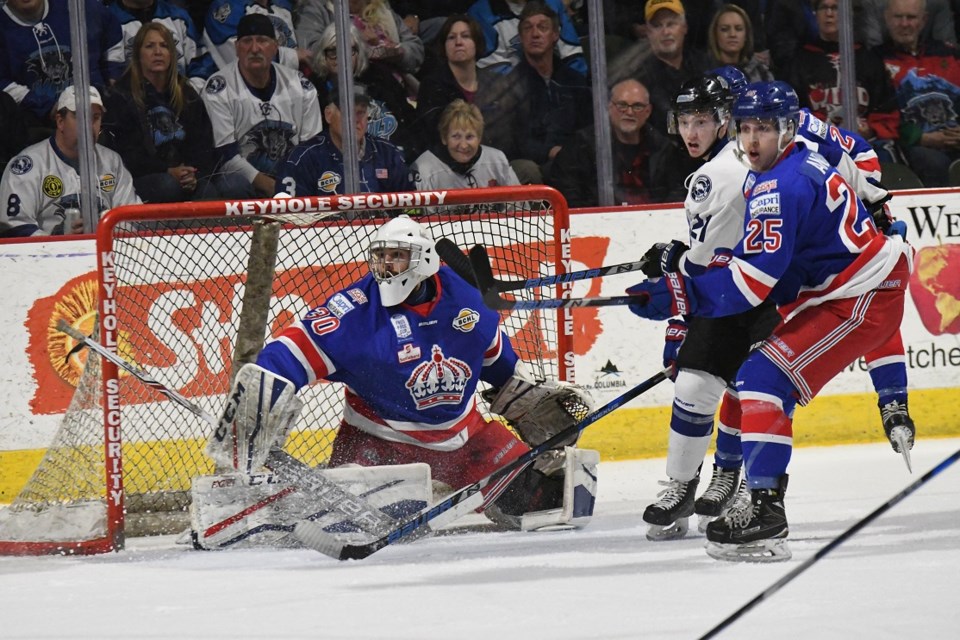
[
  {"x": 662, "y": 298},
  {"x": 676, "y": 332},
  {"x": 663, "y": 257}
]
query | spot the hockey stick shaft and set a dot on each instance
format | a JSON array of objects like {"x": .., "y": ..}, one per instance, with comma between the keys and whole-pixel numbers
[
  {"x": 487, "y": 283},
  {"x": 466, "y": 499},
  {"x": 833, "y": 544},
  {"x": 332, "y": 496},
  {"x": 451, "y": 254}
]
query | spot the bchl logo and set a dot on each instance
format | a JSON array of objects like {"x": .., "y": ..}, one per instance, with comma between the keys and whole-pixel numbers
[
  {"x": 466, "y": 320},
  {"x": 439, "y": 380}
]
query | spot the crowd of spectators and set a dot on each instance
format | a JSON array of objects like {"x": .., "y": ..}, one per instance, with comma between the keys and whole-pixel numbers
[{"x": 234, "y": 98}]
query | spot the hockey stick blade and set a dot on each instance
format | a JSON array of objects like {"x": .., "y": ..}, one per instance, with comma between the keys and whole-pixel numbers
[
  {"x": 470, "y": 497},
  {"x": 487, "y": 283},
  {"x": 833, "y": 544},
  {"x": 456, "y": 260},
  {"x": 901, "y": 436},
  {"x": 333, "y": 497}
]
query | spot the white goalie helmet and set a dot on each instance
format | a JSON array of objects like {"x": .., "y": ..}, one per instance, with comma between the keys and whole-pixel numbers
[{"x": 402, "y": 254}]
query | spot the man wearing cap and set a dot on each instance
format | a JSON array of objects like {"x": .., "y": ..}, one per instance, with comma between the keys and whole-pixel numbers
[
  {"x": 669, "y": 64},
  {"x": 259, "y": 109},
  {"x": 221, "y": 28},
  {"x": 41, "y": 184},
  {"x": 315, "y": 166}
]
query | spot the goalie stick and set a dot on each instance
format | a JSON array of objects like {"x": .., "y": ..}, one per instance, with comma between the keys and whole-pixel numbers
[
  {"x": 287, "y": 468},
  {"x": 487, "y": 283},
  {"x": 469, "y": 497},
  {"x": 833, "y": 544},
  {"x": 451, "y": 254}
]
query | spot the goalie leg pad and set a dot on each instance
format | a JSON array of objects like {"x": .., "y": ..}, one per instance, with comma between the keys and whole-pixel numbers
[
  {"x": 259, "y": 510},
  {"x": 261, "y": 408},
  {"x": 544, "y": 502},
  {"x": 540, "y": 410}
]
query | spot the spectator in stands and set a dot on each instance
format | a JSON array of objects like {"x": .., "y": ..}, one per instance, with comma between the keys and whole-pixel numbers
[
  {"x": 730, "y": 42},
  {"x": 132, "y": 14},
  {"x": 425, "y": 17},
  {"x": 500, "y": 22},
  {"x": 391, "y": 116},
  {"x": 790, "y": 25},
  {"x": 643, "y": 168},
  {"x": 220, "y": 33},
  {"x": 815, "y": 74},
  {"x": 315, "y": 166},
  {"x": 259, "y": 109},
  {"x": 671, "y": 63},
  {"x": 926, "y": 75},
  {"x": 388, "y": 40},
  {"x": 14, "y": 137},
  {"x": 535, "y": 109},
  {"x": 460, "y": 161},
  {"x": 35, "y": 52},
  {"x": 157, "y": 123},
  {"x": 41, "y": 184},
  {"x": 456, "y": 76},
  {"x": 941, "y": 23}
]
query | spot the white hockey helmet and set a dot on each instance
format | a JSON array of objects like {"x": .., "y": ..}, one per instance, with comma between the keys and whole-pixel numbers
[{"x": 404, "y": 234}]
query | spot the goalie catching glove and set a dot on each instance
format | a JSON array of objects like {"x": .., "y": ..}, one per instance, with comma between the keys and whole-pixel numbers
[
  {"x": 260, "y": 411},
  {"x": 538, "y": 410}
]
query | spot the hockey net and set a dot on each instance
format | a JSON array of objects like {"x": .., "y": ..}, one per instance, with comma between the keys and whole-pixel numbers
[{"x": 188, "y": 292}]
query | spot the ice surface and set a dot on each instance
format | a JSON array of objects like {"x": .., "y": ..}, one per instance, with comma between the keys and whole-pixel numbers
[{"x": 899, "y": 577}]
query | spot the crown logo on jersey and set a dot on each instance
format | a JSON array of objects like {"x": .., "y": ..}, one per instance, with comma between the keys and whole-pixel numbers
[{"x": 439, "y": 380}]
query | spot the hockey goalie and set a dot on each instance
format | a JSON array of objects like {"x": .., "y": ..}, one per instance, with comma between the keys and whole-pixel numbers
[{"x": 410, "y": 342}]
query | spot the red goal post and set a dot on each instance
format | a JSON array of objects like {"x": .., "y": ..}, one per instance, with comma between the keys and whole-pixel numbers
[{"x": 189, "y": 291}]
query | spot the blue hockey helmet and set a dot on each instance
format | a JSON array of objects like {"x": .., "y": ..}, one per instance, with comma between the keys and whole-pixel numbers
[
  {"x": 735, "y": 78},
  {"x": 768, "y": 101}
]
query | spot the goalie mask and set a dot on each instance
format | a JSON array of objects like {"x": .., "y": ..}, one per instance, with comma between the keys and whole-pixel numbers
[{"x": 402, "y": 254}]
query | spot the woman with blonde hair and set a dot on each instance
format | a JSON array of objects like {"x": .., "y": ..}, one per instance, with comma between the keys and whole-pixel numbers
[
  {"x": 460, "y": 161},
  {"x": 730, "y": 42},
  {"x": 157, "y": 123}
]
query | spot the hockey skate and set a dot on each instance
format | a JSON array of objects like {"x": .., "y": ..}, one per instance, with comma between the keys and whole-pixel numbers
[
  {"x": 754, "y": 531},
  {"x": 668, "y": 517},
  {"x": 718, "y": 496},
  {"x": 899, "y": 428}
]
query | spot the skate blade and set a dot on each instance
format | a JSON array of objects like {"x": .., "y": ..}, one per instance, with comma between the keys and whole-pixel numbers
[
  {"x": 771, "y": 550},
  {"x": 901, "y": 436},
  {"x": 675, "y": 531},
  {"x": 703, "y": 521}
]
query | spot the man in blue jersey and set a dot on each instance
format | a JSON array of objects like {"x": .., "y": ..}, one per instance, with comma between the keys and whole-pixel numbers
[
  {"x": 315, "y": 166},
  {"x": 810, "y": 246},
  {"x": 714, "y": 348},
  {"x": 410, "y": 342}
]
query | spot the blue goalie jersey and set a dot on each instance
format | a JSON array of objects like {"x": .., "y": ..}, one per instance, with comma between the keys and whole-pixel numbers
[{"x": 411, "y": 372}]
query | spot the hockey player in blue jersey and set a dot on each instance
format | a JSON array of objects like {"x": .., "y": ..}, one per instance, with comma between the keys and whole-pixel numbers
[
  {"x": 410, "y": 342},
  {"x": 714, "y": 348},
  {"x": 810, "y": 246}
]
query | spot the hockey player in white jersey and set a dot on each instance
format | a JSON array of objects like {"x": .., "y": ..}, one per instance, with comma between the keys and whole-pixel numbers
[
  {"x": 42, "y": 183},
  {"x": 410, "y": 342},
  {"x": 259, "y": 110},
  {"x": 713, "y": 348}
]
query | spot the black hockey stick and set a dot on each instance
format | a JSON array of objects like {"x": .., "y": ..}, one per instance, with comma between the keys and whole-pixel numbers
[
  {"x": 332, "y": 496},
  {"x": 469, "y": 497},
  {"x": 487, "y": 283},
  {"x": 833, "y": 544},
  {"x": 452, "y": 255}
]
